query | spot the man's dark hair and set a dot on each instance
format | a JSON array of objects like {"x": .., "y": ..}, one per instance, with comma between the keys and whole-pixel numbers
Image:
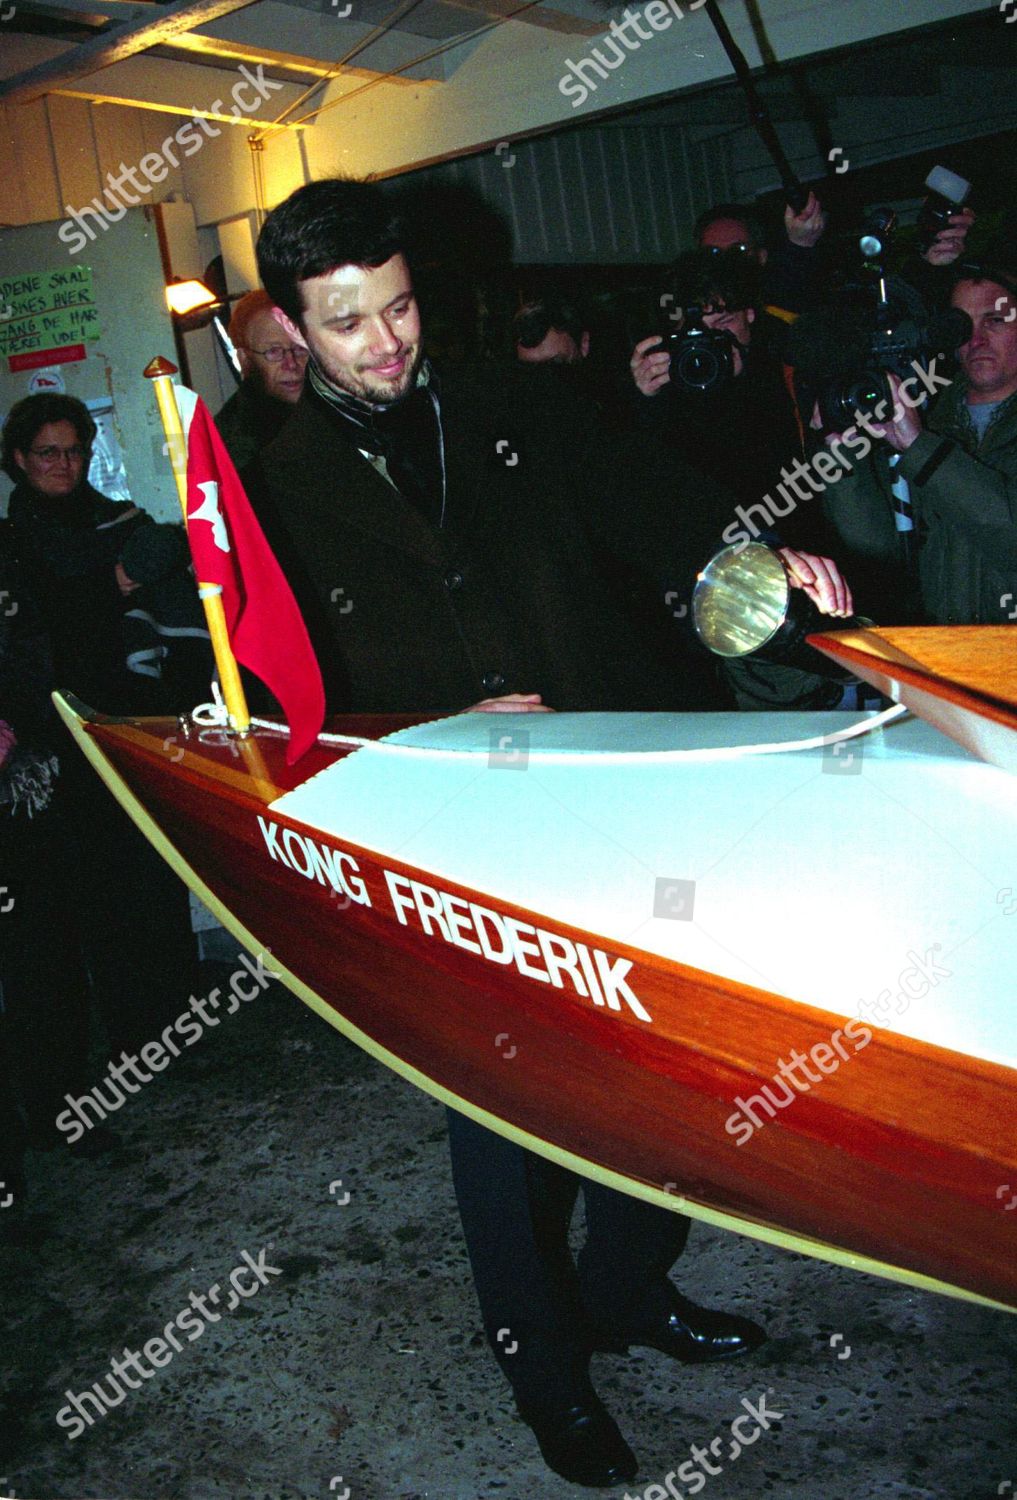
[
  {"x": 29, "y": 415},
  {"x": 726, "y": 279},
  {"x": 537, "y": 317},
  {"x": 755, "y": 233},
  {"x": 320, "y": 227}
]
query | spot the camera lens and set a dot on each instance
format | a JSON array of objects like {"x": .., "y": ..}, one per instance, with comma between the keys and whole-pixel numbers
[
  {"x": 863, "y": 392},
  {"x": 867, "y": 395},
  {"x": 698, "y": 367},
  {"x": 700, "y": 362}
]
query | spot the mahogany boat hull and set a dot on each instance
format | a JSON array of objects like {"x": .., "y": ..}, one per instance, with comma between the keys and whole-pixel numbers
[{"x": 892, "y": 1166}]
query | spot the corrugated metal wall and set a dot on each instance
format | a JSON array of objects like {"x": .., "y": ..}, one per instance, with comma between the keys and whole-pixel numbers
[
  {"x": 613, "y": 193},
  {"x": 630, "y": 189}
]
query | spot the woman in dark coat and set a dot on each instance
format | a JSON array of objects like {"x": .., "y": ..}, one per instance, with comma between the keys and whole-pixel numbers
[
  {"x": 67, "y": 539},
  {"x": 44, "y": 1015}
]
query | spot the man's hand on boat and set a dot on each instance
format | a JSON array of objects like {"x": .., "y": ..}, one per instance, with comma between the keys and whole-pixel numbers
[
  {"x": 821, "y": 579},
  {"x": 511, "y": 703}
]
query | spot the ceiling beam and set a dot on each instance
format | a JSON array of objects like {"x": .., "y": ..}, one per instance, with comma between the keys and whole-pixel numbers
[
  {"x": 168, "y": 109},
  {"x": 112, "y": 46},
  {"x": 274, "y": 61}
]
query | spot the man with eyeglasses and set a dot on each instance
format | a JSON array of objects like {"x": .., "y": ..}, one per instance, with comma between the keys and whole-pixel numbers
[{"x": 273, "y": 367}]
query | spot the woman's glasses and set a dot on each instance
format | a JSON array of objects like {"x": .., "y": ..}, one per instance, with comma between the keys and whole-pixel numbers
[{"x": 51, "y": 454}]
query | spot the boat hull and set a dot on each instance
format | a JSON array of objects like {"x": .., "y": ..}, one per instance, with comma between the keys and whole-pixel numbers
[{"x": 892, "y": 1167}]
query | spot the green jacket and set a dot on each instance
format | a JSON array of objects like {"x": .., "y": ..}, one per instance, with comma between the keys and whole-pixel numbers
[{"x": 964, "y": 498}]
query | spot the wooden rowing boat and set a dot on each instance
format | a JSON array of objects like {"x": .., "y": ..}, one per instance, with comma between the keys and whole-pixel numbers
[{"x": 609, "y": 937}]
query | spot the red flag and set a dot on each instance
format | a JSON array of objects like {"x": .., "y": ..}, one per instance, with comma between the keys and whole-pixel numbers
[{"x": 266, "y": 629}]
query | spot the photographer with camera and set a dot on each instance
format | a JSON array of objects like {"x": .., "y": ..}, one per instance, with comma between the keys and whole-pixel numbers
[
  {"x": 926, "y": 518},
  {"x": 789, "y": 275},
  {"x": 714, "y": 391},
  {"x": 792, "y": 270}
]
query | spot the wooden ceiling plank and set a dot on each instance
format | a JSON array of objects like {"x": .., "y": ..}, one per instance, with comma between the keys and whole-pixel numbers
[
  {"x": 168, "y": 109},
  {"x": 216, "y": 47},
  {"x": 137, "y": 35}
]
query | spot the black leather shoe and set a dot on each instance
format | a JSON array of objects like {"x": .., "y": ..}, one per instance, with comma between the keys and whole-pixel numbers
[
  {"x": 583, "y": 1443},
  {"x": 686, "y": 1332}
]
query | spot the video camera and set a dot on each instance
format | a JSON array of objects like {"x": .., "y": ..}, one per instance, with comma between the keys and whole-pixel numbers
[
  {"x": 877, "y": 326},
  {"x": 896, "y": 340}
]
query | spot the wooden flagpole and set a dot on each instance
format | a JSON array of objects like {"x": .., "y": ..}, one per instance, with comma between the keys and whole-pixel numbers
[{"x": 159, "y": 372}]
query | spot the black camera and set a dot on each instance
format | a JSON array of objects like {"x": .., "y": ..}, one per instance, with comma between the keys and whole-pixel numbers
[
  {"x": 702, "y": 359},
  {"x": 878, "y": 326},
  {"x": 897, "y": 345},
  {"x": 908, "y": 343},
  {"x": 948, "y": 194}
]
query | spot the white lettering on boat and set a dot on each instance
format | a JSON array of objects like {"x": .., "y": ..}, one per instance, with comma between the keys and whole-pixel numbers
[
  {"x": 315, "y": 861},
  {"x": 536, "y": 953},
  {"x": 545, "y": 956}
]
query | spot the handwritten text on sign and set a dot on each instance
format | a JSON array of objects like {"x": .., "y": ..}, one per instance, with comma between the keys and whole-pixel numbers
[
  {"x": 549, "y": 957},
  {"x": 47, "y": 309}
]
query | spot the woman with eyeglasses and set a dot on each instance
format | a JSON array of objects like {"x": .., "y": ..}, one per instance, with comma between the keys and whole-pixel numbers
[{"x": 68, "y": 539}]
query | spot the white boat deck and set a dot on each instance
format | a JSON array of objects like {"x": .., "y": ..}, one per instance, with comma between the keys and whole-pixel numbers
[{"x": 883, "y": 869}]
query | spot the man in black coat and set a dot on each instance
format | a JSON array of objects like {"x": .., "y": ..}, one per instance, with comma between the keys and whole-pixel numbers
[{"x": 429, "y": 527}]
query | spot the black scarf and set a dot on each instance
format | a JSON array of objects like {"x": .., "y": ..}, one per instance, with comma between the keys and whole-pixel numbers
[{"x": 406, "y": 433}]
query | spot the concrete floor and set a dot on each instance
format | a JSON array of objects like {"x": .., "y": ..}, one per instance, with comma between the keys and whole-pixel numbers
[{"x": 358, "y": 1373}]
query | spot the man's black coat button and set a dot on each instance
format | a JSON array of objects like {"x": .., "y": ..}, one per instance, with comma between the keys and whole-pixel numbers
[
  {"x": 453, "y": 581},
  {"x": 492, "y": 682}
]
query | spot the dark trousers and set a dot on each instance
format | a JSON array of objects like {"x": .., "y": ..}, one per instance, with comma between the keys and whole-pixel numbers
[
  {"x": 536, "y": 1303},
  {"x": 94, "y": 914},
  {"x": 44, "y": 1019},
  {"x": 13, "y": 1136},
  {"x": 133, "y": 914}
]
